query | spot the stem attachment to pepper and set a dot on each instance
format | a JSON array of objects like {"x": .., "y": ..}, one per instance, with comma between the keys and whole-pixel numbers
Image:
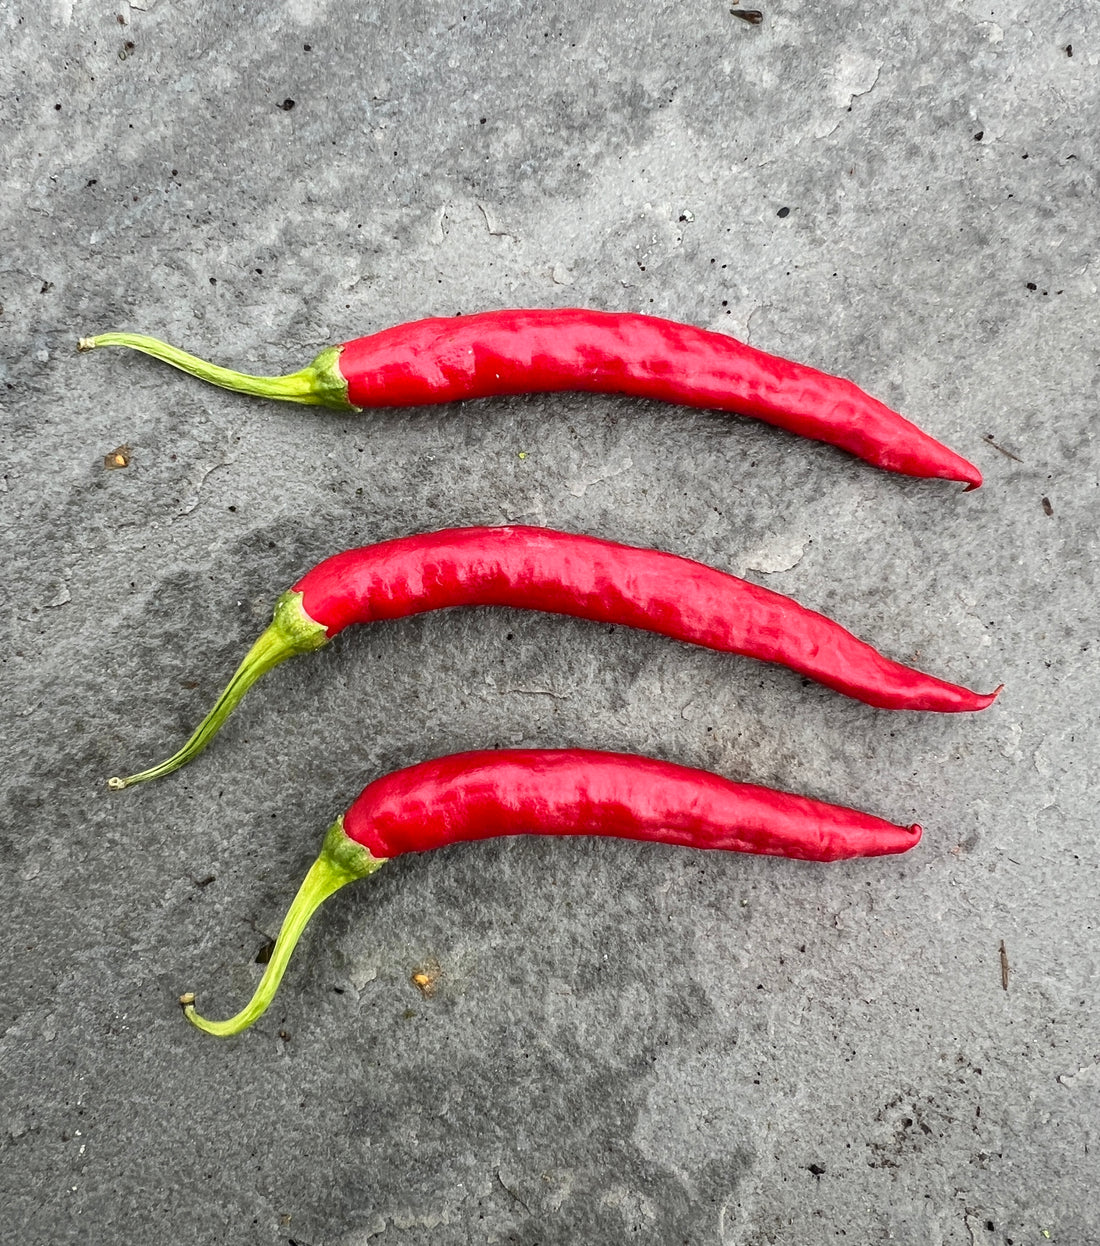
[
  {"x": 318, "y": 384},
  {"x": 291, "y": 631},
  {"x": 341, "y": 861}
]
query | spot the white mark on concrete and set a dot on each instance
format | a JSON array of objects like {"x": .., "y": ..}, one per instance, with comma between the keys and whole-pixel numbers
[
  {"x": 492, "y": 222},
  {"x": 537, "y": 512},
  {"x": 1084, "y": 1078},
  {"x": 778, "y": 553},
  {"x": 358, "y": 1237},
  {"x": 579, "y": 486},
  {"x": 306, "y": 12},
  {"x": 854, "y": 74},
  {"x": 361, "y": 973},
  {"x": 561, "y": 275},
  {"x": 438, "y": 232},
  {"x": 1042, "y": 763},
  {"x": 1010, "y": 747},
  {"x": 192, "y": 499}
]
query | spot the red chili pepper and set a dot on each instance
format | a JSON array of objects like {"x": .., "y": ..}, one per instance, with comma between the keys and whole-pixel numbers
[
  {"x": 471, "y": 796},
  {"x": 539, "y": 569},
  {"x": 544, "y": 351}
]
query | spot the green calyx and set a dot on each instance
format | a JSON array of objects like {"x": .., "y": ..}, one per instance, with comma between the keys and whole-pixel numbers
[
  {"x": 341, "y": 861},
  {"x": 290, "y": 631},
  {"x": 319, "y": 384}
]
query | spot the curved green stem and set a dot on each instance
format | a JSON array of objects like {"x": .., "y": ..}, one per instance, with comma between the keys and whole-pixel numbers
[
  {"x": 319, "y": 384},
  {"x": 341, "y": 861},
  {"x": 291, "y": 631}
]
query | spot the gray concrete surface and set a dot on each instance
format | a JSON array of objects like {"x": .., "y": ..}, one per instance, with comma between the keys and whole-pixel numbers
[{"x": 627, "y": 1044}]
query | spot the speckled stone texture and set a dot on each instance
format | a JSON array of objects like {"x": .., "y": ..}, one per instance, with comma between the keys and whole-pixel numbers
[{"x": 624, "y": 1043}]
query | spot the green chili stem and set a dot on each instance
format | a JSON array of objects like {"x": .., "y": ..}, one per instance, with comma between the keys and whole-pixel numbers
[
  {"x": 291, "y": 631},
  {"x": 341, "y": 861},
  {"x": 320, "y": 383}
]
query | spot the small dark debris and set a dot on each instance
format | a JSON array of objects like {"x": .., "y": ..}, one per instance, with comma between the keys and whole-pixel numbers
[
  {"x": 1069, "y": 49},
  {"x": 1032, "y": 286},
  {"x": 783, "y": 213},
  {"x": 231, "y": 508},
  {"x": 286, "y": 105},
  {"x": 753, "y": 16},
  {"x": 119, "y": 457},
  {"x": 205, "y": 882},
  {"x": 121, "y": 20},
  {"x": 1047, "y": 508},
  {"x": 264, "y": 954},
  {"x": 818, "y": 1170},
  {"x": 1004, "y": 966},
  {"x": 57, "y": 107},
  {"x": 989, "y": 1226},
  {"x": 338, "y": 989},
  {"x": 285, "y": 1035},
  {"x": 482, "y": 120},
  {"x": 213, "y": 281},
  {"x": 307, "y": 47},
  {"x": 979, "y": 136},
  {"x": 90, "y": 182}
]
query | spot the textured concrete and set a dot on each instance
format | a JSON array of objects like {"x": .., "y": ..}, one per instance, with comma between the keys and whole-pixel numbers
[{"x": 625, "y": 1044}]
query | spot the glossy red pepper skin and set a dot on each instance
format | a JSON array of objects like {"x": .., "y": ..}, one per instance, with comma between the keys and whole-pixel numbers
[
  {"x": 482, "y": 795},
  {"x": 445, "y": 359},
  {"x": 582, "y": 576}
]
